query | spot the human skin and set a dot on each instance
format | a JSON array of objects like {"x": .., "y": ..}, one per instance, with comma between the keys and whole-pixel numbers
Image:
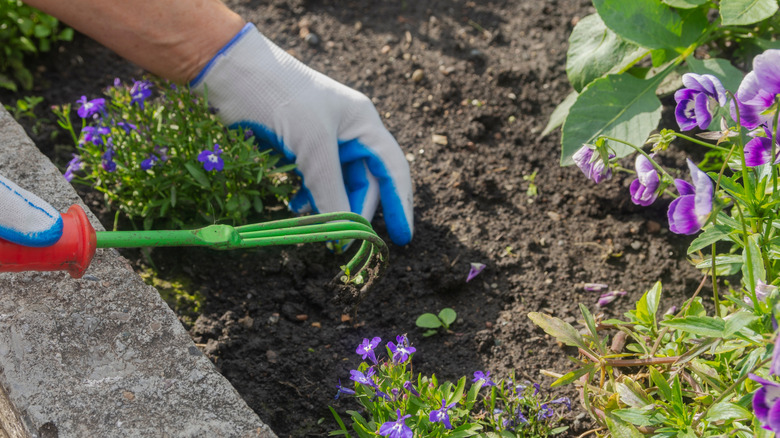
[{"x": 173, "y": 39}]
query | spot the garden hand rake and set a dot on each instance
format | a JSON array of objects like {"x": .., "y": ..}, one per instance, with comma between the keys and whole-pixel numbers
[{"x": 75, "y": 249}]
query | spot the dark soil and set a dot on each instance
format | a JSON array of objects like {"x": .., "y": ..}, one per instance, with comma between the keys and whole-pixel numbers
[{"x": 493, "y": 73}]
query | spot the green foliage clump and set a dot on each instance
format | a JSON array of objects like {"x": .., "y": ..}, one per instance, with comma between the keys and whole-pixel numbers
[
  {"x": 168, "y": 158},
  {"x": 25, "y": 31}
]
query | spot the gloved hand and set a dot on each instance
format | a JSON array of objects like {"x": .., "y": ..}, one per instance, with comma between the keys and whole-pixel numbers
[
  {"x": 345, "y": 156},
  {"x": 25, "y": 218}
]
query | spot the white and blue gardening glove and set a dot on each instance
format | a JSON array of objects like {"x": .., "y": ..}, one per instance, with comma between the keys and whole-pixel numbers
[
  {"x": 345, "y": 156},
  {"x": 25, "y": 218}
]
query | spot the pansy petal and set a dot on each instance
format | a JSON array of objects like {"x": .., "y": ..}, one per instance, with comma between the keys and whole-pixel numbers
[
  {"x": 774, "y": 366},
  {"x": 703, "y": 190},
  {"x": 684, "y": 94},
  {"x": 767, "y": 69},
  {"x": 684, "y": 187},
  {"x": 773, "y": 418},
  {"x": 702, "y": 111},
  {"x": 682, "y": 218},
  {"x": 760, "y": 408},
  {"x": 758, "y": 151},
  {"x": 683, "y": 115},
  {"x": 694, "y": 82},
  {"x": 641, "y": 194}
]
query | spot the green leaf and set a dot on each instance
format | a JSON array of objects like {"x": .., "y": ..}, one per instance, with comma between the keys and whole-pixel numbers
[
  {"x": 447, "y": 316},
  {"x": 661, "y": 383},
  {"x": 572, "y": 376},
  {"x": 698, "y": 325},
  {"x": 729, "y": 75},
  {"x": 619, "y": 106},
  {"x": 645, "y": 416},
  {"x": 560, "y": 113},
  {"x": 173, "y": 195},
  {"x": 727, "y": 411},
  {"x": 41, "y": 31},
  {"x": 198, "y": 174},
  {"x": 708, "y": 237},
  {"x": 558, "y": 329},
  {"x": 594, "y": 51},
  {"x": 741, "y": 12},
  {"x": 428, "y": 320},
  {"x": 684, "y": 4},
  {"x": 621, "y": 429},
  {"x": 737, "y": 321},
  {"x": 647, "y": 306},
  {"x": 754, "y": 271},
  {"x": 648, "y": 23},
  {"x": 589, "y": 321}
]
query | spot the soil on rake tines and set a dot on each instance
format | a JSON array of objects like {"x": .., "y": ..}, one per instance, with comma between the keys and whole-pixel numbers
[{"x": 491, "y": 72}]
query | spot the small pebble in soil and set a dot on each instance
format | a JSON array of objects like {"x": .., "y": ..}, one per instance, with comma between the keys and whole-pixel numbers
[
  {"x": 273, "y": 319},
  {"x": 636, "y": 245},
  {"x": 385, "y": 49},
  {"x": 446, "y": 71},
  {"x": 302, "y": 317},
  {"x": 316, "y": 324},
  {"x": 418, "y": 75},
  {"x": 312, "y": 39},
  {"x": 653, "y": 227},
  {"x": 272, "y": 356}
]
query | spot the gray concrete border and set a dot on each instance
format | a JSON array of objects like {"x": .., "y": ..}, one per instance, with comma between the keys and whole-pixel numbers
[{"x": 103, "y": 355}]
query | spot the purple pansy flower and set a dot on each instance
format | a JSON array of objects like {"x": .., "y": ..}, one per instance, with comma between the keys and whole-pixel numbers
[
  {"x": 74, "y": 165},
  {"x": 609, "y": 297},
  {"x": 758, "y": 89},
  {"x": 108, "y": 160},
  {"x": 644, "y": 189},
  {"x": 766, "y": 403},
  {"x": 688, "y": 213},
  {"x": 140, "y": 91},
  {"x": 211, "y": 159},
  {"x": 127, "y": 126},
  {"x": 474, "y": 270},
  {"x": 94, "y": 134},
  {"x": 149, "y": 162},
  {"x": 592, "y": 165},
  {"x": 365, "y": 379},
  {"x": 343, "y": 390},
  {"x": 758, "y": 150},
  {"x": 698, "y": 101},
  {"x": 400, "y": 352},
  {"x": 366, "y": 349},
  {"x": 479, "y": 375},
  {"x": 89, "y": 108},
  {"x": 409, "y": 387},
  {"x": 562, "y": 401},
  {"x": 441, "y": 415},
  {"x": 397, "y": 428}
]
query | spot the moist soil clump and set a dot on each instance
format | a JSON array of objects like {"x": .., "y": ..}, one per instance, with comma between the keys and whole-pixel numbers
[{"x": 466, "y": 87}]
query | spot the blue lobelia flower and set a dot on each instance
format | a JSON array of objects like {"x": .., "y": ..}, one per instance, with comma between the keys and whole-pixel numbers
[
  {"x": 758, "y": 89},
  {"x": 397, "y": 428},
  {"x": 127, "y": 126},
  {"x": 343, "y": 390},
  {"x": 688, "y": 213},
  {"x": 108, "y": 160},
  {"x": 140, "y": 91},
  {"x": 441, "y": 415},
  {"x": 365, "y": 379},
  {"x": 211, "y": 159},
  {"x": 698, "y": 101},
  {"x": 74, "y": 165},
  {"x": 562, "y": 401},
  {"x": 366, "y": 349},
  {"x": 644, "y": 189},
  {"x": 758, "y": 150},
  {"x": 479, "y": 375},
  {"x": 400, "y": 352},
  {"x": 94, "y": 134},
  {"x": 591, "y": 164},
  {"x": 149, "y": 162},
  {"x": 162, "y": 152},
  {"x": 409, "y": 387},
  {"x": 89, "y": 108}
]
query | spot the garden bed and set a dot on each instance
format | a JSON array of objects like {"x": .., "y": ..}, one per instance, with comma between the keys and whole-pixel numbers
[{"x": 492, "y": 72}]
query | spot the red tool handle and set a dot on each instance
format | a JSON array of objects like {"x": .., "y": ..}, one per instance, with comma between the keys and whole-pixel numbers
[{"x": 72, "y": 253}]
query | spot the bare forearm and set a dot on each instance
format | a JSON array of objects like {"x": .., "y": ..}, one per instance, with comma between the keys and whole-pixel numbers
[{"x": 173, "y": 39}]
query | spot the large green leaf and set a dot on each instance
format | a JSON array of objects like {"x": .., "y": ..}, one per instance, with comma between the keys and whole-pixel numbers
[
  {"x": 557, "y": 117},
  {"x": 740, "y": 12},
  {"x": 619, "y": 106},
  {"x": 729, "y": 75},
  {"x": 558, "y": 329},
  {"x": 621, "y": 429},
  {"x": 684, "y": 4},
  {"x": 594, "y": 51},
  {"x": 428, "y": 320},
  {"x": 650, "y": 23}
]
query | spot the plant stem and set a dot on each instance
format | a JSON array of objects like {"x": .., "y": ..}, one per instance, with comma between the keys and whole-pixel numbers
[
  {"x": 700, "y": 143},
  {"x": 638, "y": 149}
]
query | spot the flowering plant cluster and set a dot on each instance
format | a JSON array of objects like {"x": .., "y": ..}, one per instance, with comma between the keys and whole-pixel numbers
[
  {"x": 168, "y": 157},
  {"x": 691, "y": 372},
  {"x": 396, "y": 404}
]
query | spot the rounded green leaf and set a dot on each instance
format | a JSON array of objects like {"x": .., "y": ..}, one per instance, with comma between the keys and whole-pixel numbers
[
  {"x": 428, "y": 320},
  {"x": 447, "y": 316},
  {"x": 649, "y": 23},
  {"x": 740, "y": 12},
  {"x": 684, "y": 4},
  {"x": 594, "y": 51},
  {"x": 619, "y": 106}
]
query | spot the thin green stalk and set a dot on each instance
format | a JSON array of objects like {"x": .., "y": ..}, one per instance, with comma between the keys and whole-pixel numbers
[
  {"x": 749, "y": 259},
  {"x": 700, "y": 143},
  {"x": 715, "y": 296},
  {"x": 638, "y": 149}
]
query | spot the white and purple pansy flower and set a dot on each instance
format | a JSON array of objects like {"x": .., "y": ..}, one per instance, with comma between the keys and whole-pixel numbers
[
  {"x": 698, "y": 101},
  {"x": 758, "y": 150},
  {"x": 644, "y": 189},
  {"x": 688, "y": 213},
  {"x": 758, "y": 89},
  {"x": 591, "y": 164}
]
